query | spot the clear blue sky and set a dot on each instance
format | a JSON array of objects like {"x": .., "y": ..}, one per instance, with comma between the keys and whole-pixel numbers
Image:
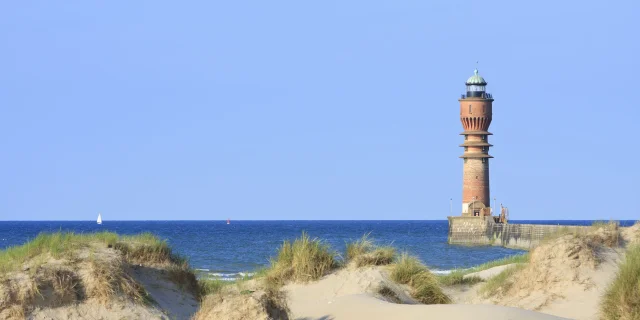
[{"x": 313, "y": 110}]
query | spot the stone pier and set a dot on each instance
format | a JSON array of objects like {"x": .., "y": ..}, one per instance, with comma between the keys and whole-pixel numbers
[{"x": 484, "y": 231}]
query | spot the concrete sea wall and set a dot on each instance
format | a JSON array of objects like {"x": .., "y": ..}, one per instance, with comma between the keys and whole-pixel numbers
[{"x": 483, "y": 231}]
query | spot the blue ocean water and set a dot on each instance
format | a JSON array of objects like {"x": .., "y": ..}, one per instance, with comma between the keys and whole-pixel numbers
[{"x": 244, "y": 246}]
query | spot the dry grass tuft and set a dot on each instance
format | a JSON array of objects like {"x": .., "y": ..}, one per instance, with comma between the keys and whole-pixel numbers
[
  {"x": 16, "y": 312},
  {"x": 48, "y": 287},
  {"x": 425, "y": 286},
  {"x": 18, "y": 296},
  {"x": 604, "y": 233},
  {"x": 302, "y": 260},
  {"x": 622, "y": 298},
  {"x": 388, "y": 294},
  {"x": 59, "y": 286},
  {"x": 377, "y": 257},
  {"x": 364, "y": 252},
  {"x": 106, "y": 280}
]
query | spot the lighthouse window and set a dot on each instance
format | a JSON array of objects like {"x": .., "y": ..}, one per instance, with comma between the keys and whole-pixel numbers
[
  {"x": 470, "y": 109},
  {"x": 484, "y": 149},
  {"x": 483, "y": 111},
  {"x": 484, "y": 137},
  {"x": 484, "y": 160},
  {"x": 466, "y": 137},
  {"x": 465, "y": 160},
  {"x": 466, "y": 148}
]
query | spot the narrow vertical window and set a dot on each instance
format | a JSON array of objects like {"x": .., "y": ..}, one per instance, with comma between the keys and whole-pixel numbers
[
  {"x": 483, "y": 110},
  {"x": 470, "y": 109}
]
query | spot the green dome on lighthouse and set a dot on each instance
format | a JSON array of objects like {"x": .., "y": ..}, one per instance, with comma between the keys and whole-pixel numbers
[{"x": 476, "y": 79}]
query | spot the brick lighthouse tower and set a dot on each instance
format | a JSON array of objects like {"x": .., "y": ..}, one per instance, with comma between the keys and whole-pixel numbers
[{"x": 475, "y": 115}]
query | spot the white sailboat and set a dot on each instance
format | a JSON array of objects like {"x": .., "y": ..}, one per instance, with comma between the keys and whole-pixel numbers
[{"x": 99, "y": 219}]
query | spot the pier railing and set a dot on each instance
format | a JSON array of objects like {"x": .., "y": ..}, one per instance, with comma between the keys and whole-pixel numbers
[{"x": 520, "y": 236}]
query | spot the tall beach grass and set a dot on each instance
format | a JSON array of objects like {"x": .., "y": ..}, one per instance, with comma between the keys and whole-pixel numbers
[
  {"x": 364, "y": 252},
  {"x": 305, "y": 259},
  {"x": 621, "y": 301},
  {"x": 142, "y": 248},
  {"x": 425, "y": 286}
]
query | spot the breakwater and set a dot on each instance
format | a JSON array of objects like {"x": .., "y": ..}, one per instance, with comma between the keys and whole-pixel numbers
[{"x": 484, "y": 231}]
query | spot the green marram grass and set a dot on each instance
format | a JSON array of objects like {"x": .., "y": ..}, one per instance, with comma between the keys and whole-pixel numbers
[
  {"x": 425, "y": 286},
  {"x": 212, "y": 286},
  {"x": 457, "y": 276},
  {"x": 144, "y": 247},
  {"x": 364, "y": 252},
  {"x": 305, "y": 259},
  {"x": 621, "y": 301}
]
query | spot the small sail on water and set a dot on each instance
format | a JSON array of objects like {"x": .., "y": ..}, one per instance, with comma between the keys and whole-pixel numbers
[
  {"x": 228, "y": 221},
  {"x": 99, "y": 219}
]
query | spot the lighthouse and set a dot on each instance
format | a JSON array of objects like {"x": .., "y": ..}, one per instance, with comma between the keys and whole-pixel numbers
[{"x": 475, "y": 116}]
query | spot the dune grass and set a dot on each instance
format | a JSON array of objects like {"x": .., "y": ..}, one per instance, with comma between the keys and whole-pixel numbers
[
  {"x": 58, "y": 245},
  {"x": 501, "y": 282},
  {"x": 302, "y": 260},
  {"x": 62, "y": 268},
  {"x": 425, "y": 286},
  {"x": 108, "y": 279},
  {"x": 456, "y": 277},
  {"x": 364, "y": 252},
  {"x": 212, "y": 286},
  {"x": 142, "y": 248},
  {"x": 622, "y": 298}
]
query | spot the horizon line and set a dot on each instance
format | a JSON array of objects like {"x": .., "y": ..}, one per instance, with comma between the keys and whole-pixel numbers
[{"x": 223, "y": 220}]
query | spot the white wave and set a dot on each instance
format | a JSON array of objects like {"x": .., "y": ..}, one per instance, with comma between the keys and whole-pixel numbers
[
  {"x": 232, "y": 276},
  {"x": 443, "y": 272}
]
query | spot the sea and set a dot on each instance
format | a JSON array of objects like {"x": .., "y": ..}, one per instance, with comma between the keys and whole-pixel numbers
[{"x": 229, "y": 251}]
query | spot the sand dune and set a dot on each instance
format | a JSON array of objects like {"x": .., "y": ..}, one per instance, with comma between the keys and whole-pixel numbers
[
  {"x": 565, "y": 279},
  {"x": 91, "y": 279},
  {"x": 353, "y": 294}
]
